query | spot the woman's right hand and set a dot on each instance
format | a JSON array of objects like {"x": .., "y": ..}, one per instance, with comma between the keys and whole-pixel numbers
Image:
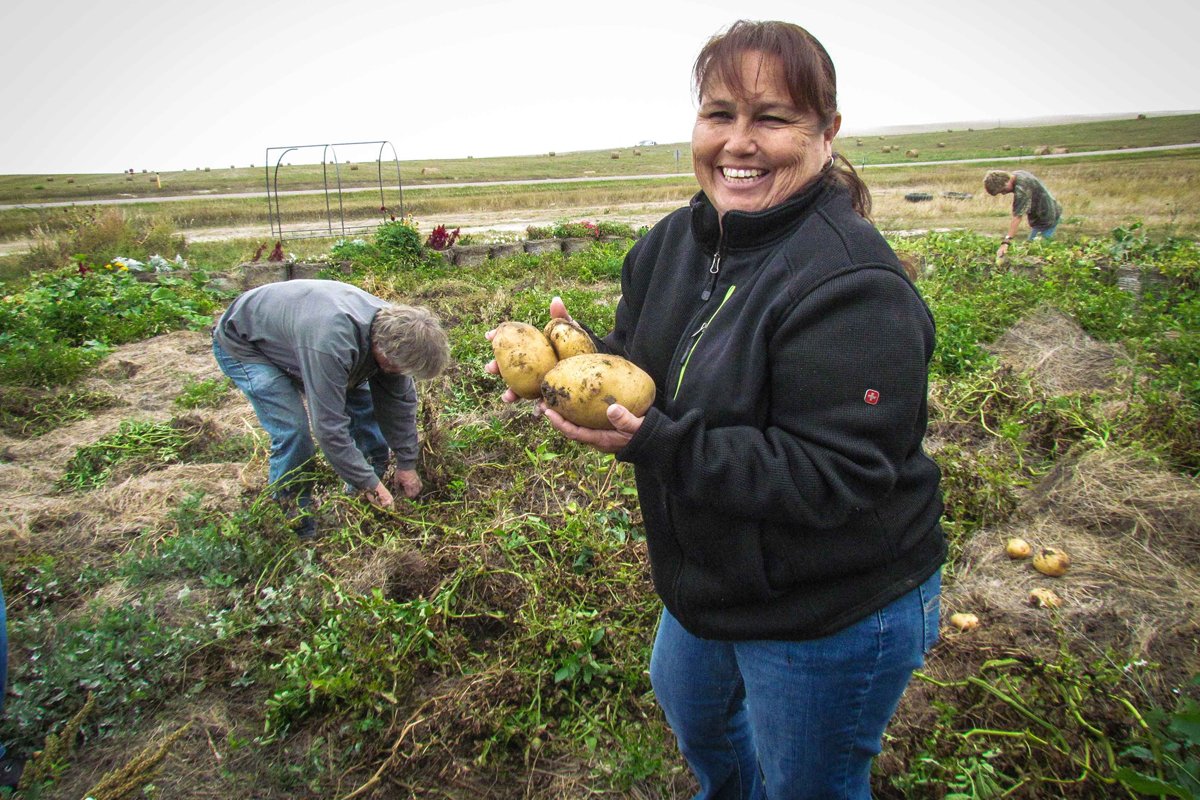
[{"x": 558, "y": 310}]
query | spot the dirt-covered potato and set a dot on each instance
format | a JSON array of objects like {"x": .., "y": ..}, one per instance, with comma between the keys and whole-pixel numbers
[
  {"x": 582, "y": 388},
  {"x": 568, "y": 338},
  {"x": 524, "y": 356}
]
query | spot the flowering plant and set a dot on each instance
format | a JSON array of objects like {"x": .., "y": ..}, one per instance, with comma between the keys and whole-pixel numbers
[
  {"x": 583, "y": 228},
  {"x": 440, "y": 239}
]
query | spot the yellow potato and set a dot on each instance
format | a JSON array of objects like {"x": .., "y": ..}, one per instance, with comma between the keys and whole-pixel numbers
[
  {"x": 524, "y": 356},
  {"x": 1017, "y": 548},
  {"x": 582, "y": 388},
  {"x": 568, "y": 338},
  {"x": 964, "y": 621},
  {"x": 1051, "y": 561},
  {"x": 1044, "y": 598}
]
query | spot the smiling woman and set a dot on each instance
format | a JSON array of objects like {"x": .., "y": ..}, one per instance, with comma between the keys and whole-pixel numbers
[
  {"x": 753, "y": 146},
  {"x": 791, "y": 514},
  {"x": 757, "y": 117}
]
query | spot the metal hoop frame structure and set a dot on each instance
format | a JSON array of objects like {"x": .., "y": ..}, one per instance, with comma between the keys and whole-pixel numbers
[{"x": 332, "y": 227}]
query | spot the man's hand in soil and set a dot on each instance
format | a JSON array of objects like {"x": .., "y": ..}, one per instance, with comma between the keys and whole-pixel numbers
[{"x": 408, "y": 482}]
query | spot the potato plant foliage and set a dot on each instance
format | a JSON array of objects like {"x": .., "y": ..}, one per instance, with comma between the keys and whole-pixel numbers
[{"x": 492, "y": 637}]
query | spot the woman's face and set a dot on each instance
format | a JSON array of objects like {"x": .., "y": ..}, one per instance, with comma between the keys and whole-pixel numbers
[{"x": 754, "y": 151}]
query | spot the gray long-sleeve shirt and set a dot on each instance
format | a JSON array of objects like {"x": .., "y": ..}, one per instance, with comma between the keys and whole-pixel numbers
[{"x": 320, "y": 333}]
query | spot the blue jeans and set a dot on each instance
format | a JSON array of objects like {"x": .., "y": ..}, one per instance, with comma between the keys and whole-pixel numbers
[
  {"x": 3, "y": 659},
  {"x": 278, "y": 401},
  {"x": 1045, "y": 233},
  {"x": 791, "y": 719}
]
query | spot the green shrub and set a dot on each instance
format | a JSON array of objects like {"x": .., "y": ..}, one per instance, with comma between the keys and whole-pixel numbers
[
  {"x": 568, "y": 230},
  {"x": 399, "y": 242},
  {"x": 615, "y": 229},
  {"x": 35, "y": 360},
  {"x": 355, "y": 250},
  {"x": 364, "y": 649}
]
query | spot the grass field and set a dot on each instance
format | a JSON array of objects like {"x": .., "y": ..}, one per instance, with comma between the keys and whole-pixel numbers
[
  {"x": 1156, "y": 190},
  {"x": 656, "y": 160}
]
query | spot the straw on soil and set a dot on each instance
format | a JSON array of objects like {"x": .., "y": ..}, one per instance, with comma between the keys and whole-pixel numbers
[{"x": 1059, "y": 355}]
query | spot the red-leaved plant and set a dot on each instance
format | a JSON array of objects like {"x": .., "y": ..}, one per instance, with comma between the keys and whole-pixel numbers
[{"x": 440, "y": 239}]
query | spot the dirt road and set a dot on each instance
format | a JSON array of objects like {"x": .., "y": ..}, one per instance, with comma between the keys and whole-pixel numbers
[{"x": 474, "y": 222}]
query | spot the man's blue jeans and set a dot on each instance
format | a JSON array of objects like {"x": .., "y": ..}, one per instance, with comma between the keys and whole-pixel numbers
[
  {"x": 277, "y": 399},
  {"x": 791, "y": 719},
  {"x": 1045, "y": 233}
]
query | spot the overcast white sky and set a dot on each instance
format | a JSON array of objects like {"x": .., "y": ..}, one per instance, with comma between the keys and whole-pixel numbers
[{"x": 161, "y": 85}]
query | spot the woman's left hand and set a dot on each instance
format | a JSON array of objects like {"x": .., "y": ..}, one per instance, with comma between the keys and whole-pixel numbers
[{"x": 625, "y": 425}]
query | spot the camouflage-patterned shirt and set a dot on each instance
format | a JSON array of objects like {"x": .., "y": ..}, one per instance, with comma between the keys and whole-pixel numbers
[{"x": 1031, "y": 197}]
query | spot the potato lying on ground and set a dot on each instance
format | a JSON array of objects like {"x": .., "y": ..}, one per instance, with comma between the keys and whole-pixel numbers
[
  {"x": 568, "y": 338},
  {"x": 582, "y": 388},
  {"x": 524, "y": 356},
  {"x": 1051, "y": 561},
  {"x": 964, "y": 621},
  {"x": 1017, "y": 548}
]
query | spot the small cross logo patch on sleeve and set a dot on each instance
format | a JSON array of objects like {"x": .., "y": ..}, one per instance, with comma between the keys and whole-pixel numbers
[{"x": 871, "y": 397}]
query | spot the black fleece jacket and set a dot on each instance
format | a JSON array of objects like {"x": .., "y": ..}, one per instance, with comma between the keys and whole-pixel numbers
[{"x": 780, "y": 471}]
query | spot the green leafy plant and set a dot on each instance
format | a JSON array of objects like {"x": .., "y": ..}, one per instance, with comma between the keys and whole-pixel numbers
[
  {"x": 204, "y": 393},
  {"x": 1171, "y": 751},
  {"x": 581, "y": 663},
  {"x": 399, "y": 241},
  {"x": 362, "y": 656},
  {"x": 64, "y": 320},
  {"x": 583, "y": 228},
  {"x": 27, "y": 411},
  {"x": 134, "y": 444},
  {"x": 1067, "y": 723}
]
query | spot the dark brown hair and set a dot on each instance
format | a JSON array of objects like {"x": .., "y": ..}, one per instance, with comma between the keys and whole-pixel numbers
[{"x": 807, "y": 70}]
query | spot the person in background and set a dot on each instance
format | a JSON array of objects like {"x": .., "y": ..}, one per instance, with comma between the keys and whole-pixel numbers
[
  {"x": 792, "y": 516},
  {"x": 353, "y": 357},
  {"x": 10, "y": 767},
  {"x": 1031, "y": 199}
]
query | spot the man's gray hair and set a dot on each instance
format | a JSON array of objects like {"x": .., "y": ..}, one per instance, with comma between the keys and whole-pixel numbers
[
  {"x": 412, "y": 339},
  {"x": 996, "y": 181}
]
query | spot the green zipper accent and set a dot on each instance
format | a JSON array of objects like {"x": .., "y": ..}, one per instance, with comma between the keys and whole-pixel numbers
[{"x": 683, "y": 369}]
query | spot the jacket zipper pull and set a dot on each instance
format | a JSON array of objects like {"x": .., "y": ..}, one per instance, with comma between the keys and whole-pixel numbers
[
  {"x": 712, "y": 279},
  {"x": 687, "y": 351}
]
